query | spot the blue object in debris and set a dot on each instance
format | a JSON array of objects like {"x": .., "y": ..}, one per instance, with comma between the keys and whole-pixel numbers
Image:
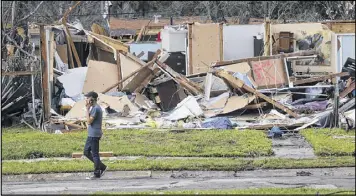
[
  {"x": 353, "y": 93},
  {"x": 218, "y": 123},
  {"x": 275, "y": 132}
]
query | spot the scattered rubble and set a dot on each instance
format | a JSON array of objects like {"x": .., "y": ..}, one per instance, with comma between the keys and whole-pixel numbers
[{"x": 158, "y": 85}]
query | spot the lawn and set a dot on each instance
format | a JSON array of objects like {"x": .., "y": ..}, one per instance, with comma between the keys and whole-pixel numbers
[
  {"x": 21, "y": 144},
  {"x": 324, "y": 143},
  {"x": 206, "y": 164},
  {"x": 251, "y": 191}
]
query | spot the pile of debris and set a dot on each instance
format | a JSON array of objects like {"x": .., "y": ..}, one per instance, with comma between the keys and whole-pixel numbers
[{"x": 254, "y": 93}]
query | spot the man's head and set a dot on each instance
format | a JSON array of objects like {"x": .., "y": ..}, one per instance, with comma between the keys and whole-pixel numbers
[{"x": 91, "y": 97}]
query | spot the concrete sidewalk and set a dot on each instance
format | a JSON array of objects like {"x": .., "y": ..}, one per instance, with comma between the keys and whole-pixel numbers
[{"x": 75, "y": 183}]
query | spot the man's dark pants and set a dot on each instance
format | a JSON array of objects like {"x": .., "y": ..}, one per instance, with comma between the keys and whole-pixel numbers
[{"x": 91, "y": 151}]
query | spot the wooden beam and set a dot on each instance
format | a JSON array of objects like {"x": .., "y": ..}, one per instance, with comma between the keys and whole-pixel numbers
[
  {"x": 190, "y": 44},
  {"x": 237, "y": 83},
  {"x": 348, "y": 90},
  {"x": 44, "y": 69},
  {"x": 118, "y": 45},
  {"x": 299, "y": 53},
  {"x": 118, "y": 63},
  {"x": 343, "y": 27},
  {"x": 256, "y": 106},
  {"x": 322, "y": 78},
  {"x": 140, "y": 33},
  {"x": 221, "y": 42},
  {"x": 133, "y": 73},
  {"x": 19, "y": 73},
  {"x": 267, "y": 38},
  {"x": 69, "y": 38},
  {"x": 71, "y": 61}
]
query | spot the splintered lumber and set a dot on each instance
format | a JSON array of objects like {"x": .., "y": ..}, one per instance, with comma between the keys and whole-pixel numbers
[
  {"x": 348, "y": 90},
  {"x": 140, "y": 33},
  {"x": 189, "y": 85},
  {"x": 133, "y": 73},
  {"x": 237, "y": 83},
  {"x": 101, "y": 154},
  {"x": 322, "y": 78},
  {"x": 258, "y": 58},
  {"x": 255, "y": 106},
  {"x": 69, "y": 37}
]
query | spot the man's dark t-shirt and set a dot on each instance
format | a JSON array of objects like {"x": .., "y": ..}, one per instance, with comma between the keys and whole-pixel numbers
[{"x": 94, "y": 129}]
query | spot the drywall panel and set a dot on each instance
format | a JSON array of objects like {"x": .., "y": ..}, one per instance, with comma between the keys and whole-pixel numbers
[
  {"x": 309, "y": 31},
  {"x": 116, "y": 103},
  {"x": 127, "y": 67},
  {"x": 346, "y": 50},
  {"x": 269, "y": 73},
  {"x": 238, "y": 40},
  {"x": 100, "y": 76},
  {"x": 205, "y": 47}
]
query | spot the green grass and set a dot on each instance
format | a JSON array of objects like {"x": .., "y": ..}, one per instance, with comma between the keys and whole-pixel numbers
[
  {"x": 325, "y": 145},
  {"x": 19, "y": 144},
  {"x": 254, "y": 191},
  {"x": 205, "y": 164}
]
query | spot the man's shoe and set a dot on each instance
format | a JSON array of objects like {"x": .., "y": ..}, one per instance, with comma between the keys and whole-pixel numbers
[
  {"x": 93, "y": 177},
  {"x": 102, "y": 172}
]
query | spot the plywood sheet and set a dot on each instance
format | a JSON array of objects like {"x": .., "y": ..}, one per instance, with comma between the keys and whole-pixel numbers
[
  {"x": 117, "y": 103},
  {"x": 206, "y": 45},
  {"x": 100, "y": 76},
  {"x": 269, "y": 73},
  {"x": 127, "y": 67},
  {"x": 238, "y": 67},
  {"x": 237, "y": 102},
  {"x": 62, "y": 52}
]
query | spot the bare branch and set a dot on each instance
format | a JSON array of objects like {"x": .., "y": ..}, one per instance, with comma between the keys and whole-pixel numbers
[
  {"x": 17, "y": 46},
  {"x": 30, "y": 14}
]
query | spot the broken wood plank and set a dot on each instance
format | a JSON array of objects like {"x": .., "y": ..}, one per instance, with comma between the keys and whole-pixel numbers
[
  {"x": 101, "y": 154},
  {"x": 116, "y": 44},
  {"x": 73, "y": 125},
  {"x": 322, "y": 78},
  {"x": 269, "y": 126},
  {"x": 190, "y": 46},
  {"x": 44, "y": 69},
  {"x": 189, "y": 85},
  {"x": 299, "y": 53},
  {"x": 348, "y": 90},
  {"x": 256, "y": 106},
  {"x": 69, "y": 37},
  {"x": 343, "y": 27},
  {"x": 133, "y": 73},
  {"x": 118, "y": 63},
  {"x": 140, "y": 33},
  {"x": 19, "y": 73},
  {"x": 237, "y": 83}
]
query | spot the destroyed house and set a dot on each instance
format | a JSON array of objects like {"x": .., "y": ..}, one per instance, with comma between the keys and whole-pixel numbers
[{"x": 202, "y": 74}]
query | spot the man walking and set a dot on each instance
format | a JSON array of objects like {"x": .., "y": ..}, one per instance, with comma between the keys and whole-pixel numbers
[{"x": 94, "y": 116}]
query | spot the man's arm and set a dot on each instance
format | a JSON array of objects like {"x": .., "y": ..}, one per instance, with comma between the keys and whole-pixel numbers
[{"x": 91, "y": 115}]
